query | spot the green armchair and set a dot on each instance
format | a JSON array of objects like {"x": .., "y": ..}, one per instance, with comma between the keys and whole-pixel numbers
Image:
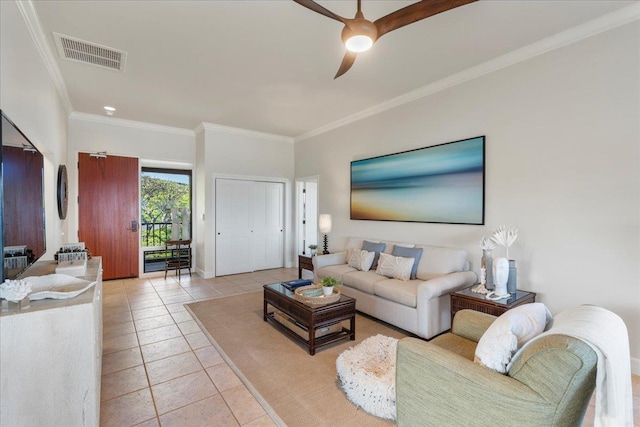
[{"x": 437, "y": 382}]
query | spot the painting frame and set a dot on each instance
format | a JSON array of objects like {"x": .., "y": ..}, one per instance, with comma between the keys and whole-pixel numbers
[{"x": 442, "y": 184}]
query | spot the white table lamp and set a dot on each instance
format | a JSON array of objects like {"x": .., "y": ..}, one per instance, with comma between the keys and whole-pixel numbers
[{"x": 324, "y": 225}]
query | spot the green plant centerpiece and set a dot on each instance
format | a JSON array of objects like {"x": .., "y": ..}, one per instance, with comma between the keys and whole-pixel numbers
[{"x": 328, "y": 283}]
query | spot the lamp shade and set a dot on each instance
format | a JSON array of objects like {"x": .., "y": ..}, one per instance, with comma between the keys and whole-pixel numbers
[{"x": 324, "y": 223}]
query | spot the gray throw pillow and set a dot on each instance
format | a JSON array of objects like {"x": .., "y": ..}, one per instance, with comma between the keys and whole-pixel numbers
[
  {"x": 415, "y": 253},
  {"x": 374, "y": 247}
]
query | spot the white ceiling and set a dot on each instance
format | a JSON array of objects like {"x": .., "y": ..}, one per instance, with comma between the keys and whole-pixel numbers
[{"x": 268, "y": 66}]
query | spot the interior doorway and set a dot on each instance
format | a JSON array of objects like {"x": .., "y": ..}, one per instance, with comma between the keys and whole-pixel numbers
[{"x": 306, "y": 214}]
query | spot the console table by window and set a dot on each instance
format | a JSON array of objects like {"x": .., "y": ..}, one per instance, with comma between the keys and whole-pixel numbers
[
  {"x": 177, "y": 256},
  {"x": 467, "y": 299}
]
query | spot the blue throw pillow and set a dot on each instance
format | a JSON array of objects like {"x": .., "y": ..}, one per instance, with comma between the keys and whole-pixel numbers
[
  {"x": 374, "y": 247},
  {"x": 415, "y": 253}
]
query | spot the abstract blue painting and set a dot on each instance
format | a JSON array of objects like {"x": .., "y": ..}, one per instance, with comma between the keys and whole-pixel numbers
[{"x": 442, "y": 183}]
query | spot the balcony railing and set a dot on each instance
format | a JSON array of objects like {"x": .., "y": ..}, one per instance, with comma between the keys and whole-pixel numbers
[{"x": 155, "y": 233}]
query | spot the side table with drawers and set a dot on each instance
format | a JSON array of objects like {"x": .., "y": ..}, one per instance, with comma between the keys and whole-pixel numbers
[
  {"x": 304, "y": 263},
  {"x": 467, "y": 299}
]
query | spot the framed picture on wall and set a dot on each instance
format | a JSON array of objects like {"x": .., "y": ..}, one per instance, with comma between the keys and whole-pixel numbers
[{"x": 439, "y": 184}]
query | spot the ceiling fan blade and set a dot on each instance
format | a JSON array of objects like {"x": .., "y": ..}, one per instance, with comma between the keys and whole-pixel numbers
[
  {"x": 347, "y": 62},
  {"x": 312, "y": 5},
  {"x": 415, "y": 12}
]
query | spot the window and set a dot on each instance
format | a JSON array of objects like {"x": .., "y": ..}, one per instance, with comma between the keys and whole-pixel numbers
[{"x": 164, "y": 193}]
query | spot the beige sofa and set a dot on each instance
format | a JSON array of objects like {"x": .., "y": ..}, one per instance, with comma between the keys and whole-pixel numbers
[{"x": 422, "y": 305}]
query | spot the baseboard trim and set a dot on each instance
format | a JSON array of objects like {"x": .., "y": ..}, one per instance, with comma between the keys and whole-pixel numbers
[{"x": 204, "y": 274}]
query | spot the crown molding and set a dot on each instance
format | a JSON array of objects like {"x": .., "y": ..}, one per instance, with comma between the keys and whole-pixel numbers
[
  {"x": 601, "y": 24},
  {"x": 199, "y": 129},
  {"x": 32, "y": 21},
  {"x": 243, "y": 132},
  {"x": 129, "y": 123}
]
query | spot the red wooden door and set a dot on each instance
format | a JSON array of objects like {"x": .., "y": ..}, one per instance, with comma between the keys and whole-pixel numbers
[{"x": 108, "y": 191}]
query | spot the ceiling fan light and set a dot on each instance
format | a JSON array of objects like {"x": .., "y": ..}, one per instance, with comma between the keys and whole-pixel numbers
[
  {"x": 359, "y": 35},
  {"x": 358, "y": 43}
]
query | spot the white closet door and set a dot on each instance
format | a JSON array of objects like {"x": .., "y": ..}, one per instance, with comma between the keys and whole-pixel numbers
[
  {"x": 233, "y": 227},
  {"x": 267, "y": 230},
  {"x": 249, "y": 226}
]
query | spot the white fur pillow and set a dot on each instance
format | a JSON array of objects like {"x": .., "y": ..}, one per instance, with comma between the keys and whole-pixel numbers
[
  {"x": 395, "y": 267},
  {"x": 508, "y": 333},
  {"x": 360, "y": 259}
]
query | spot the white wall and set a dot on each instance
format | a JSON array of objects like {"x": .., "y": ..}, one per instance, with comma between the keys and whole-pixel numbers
[
  {"x": 154, "y": 145},
  {"x": 229, "y": 152},
  {"x": 563, "y": 163},
  {"x": 204, "y": 210},
  {"x": 212, "y": 150},
  {"x": 29, "y": 98}
]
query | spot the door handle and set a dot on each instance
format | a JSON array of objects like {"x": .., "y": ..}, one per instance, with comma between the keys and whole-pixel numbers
[{"x": 134, "y": 226}]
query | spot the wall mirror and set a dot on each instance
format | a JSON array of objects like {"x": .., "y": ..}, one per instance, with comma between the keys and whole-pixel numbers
[{"x": 22, "y": 186}]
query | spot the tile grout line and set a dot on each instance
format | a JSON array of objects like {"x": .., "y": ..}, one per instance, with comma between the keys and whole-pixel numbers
[
  {"x": 124, "y": 290},
  {"x": 144, "y": 365},
  {"x": 191, "y": 350}
]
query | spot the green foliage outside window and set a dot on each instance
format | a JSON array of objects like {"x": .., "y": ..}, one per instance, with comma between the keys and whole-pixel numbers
[{"x": 158, "y": 197}]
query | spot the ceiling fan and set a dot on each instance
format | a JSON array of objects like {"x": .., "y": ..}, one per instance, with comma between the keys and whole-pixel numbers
[{"x": 359, "y": 34}]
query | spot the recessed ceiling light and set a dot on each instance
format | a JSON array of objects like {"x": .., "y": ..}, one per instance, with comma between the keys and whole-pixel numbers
[{"x": 109, "y": 110}]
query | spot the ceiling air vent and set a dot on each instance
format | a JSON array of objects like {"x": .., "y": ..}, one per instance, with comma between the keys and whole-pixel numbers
[{"x": 90, "y": 53}]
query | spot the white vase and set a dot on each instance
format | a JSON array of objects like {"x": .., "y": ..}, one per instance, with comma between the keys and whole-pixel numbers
[
  {"x": 501, "y": 275},
  {"x": 186, "y": 225},
  {"x": 175, "y": 224},
  {"x": 327, "y": 290}
]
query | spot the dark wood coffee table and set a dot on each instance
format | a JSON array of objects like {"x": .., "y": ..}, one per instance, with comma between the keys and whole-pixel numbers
[{"x": 310, "y": 318}]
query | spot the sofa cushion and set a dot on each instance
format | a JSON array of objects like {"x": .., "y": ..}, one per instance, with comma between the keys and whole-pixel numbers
[
  {"x": 437, "y": 261},
  {"x": 399, "y": 291},
  {"x": 510, "y": 331},
  {"x": 336, "y": 271},
  {"x": 373, "y": 247},
  {"x": 395, "y": 267},
  {"x": 362, "y": 280},
  {"x": 355, "y": 243},
  {"x": 390, "y": 245},
  {"x": 360, "y": 259},
  {"x": 456, "y": 344},
  {"x": 415, "y": 253}
]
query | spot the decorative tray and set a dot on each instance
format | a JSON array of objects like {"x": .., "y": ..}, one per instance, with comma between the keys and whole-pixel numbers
[
  {"x": 313, "y": 297},
  {"x": 57, "y": 286}
]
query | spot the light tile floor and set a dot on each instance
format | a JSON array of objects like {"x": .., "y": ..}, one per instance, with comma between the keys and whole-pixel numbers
[{"x": 158, "y": 367}]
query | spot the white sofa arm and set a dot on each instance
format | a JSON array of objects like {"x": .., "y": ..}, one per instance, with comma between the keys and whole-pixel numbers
[
  {"x": 434, "y": 312},
  {"x": 320, "y": 261},
  {"x": 445, "y": 284}
]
